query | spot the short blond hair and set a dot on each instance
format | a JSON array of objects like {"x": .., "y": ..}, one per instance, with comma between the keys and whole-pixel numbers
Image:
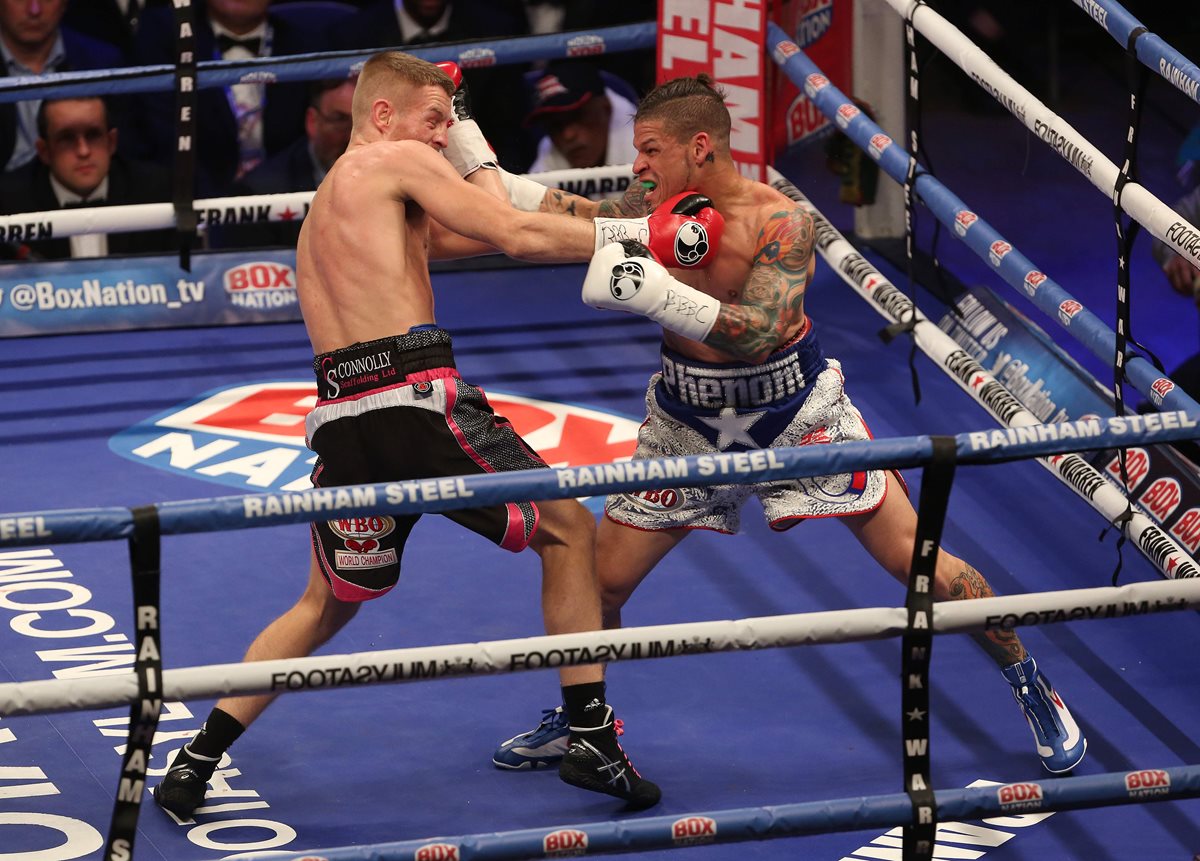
[{"x": 384, "y": 73}]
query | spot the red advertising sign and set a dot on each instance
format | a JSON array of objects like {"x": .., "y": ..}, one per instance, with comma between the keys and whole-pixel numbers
[
  {"x": 723, "y": 38},
  {"x": 824, "y": 30}
]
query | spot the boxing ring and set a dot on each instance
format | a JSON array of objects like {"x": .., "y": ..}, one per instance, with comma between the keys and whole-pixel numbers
[{"x": 745, "y": 745}]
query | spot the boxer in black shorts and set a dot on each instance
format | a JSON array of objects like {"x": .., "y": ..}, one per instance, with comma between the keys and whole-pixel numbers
[
  {"x": 404, "y": 388},
  {"x": 392, "y": 406}
]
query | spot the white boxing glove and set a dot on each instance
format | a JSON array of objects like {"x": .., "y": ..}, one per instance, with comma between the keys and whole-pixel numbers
[
  {"x": 624, "y": 276},
  {"x": 610, "y": 230},
  {"x": 467, "y": 149}
]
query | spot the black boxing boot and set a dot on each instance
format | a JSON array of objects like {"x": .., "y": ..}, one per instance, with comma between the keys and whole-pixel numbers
[
  {"x": 596, "y": 761},
  {"x": 182, "y": 789}
]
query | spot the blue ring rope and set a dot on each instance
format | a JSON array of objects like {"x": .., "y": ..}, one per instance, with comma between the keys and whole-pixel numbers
[
  {"x": 784, "y": 820},
  {"x": 1152, "y": 52},
  {"x": 1085, "y": 327},
  {"x": 337, "y": 64},
  {"x": 444, "y": 494}
]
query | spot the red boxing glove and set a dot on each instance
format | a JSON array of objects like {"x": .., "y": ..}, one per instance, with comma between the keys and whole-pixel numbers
[
  {"x": 451, "y": 68},
  {"x": 683, "y": 232},
  {"x": 460, "y": 101},
  {"x": 687, "y": 230}
]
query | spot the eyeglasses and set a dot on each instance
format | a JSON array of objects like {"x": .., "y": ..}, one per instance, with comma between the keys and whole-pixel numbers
[
  {"x": 69, "y": 138},
  {"x": 336, "y": 119}
]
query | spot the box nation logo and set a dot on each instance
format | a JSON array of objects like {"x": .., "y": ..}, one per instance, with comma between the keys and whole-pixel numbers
[{"x": 252, "y": 436}]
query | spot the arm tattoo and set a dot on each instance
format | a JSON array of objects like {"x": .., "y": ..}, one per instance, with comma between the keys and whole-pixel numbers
[
  {"x": 772, "y": 300},
  {"x": 969, "y": 583},
  {"x": 1004, "y": 646},
  {"x": 561, "y": 202},
  {"x": 632, "y": 204}
]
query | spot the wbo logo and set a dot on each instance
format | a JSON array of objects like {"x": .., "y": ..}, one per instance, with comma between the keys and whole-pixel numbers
[{"x": 251, "y": 437}]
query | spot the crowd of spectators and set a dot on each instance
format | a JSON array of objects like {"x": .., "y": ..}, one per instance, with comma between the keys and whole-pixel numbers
[{"x": 259, "y": 138}]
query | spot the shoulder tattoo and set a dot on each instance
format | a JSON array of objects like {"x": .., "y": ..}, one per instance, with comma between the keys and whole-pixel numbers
[
  {"x": 786, "y": 241},
  {"x": 772, "y": 300}
]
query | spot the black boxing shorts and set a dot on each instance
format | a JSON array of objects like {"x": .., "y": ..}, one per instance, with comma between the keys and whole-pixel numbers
[{"x": 396, "y": 409}]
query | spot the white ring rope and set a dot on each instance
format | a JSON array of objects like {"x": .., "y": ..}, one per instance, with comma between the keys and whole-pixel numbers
[
  {"x": 548, "y": 652},
  {"x": 1155, "y": 543},
  {"x": 1160, "y": 219},
  {"x": 243, "y": 209}
]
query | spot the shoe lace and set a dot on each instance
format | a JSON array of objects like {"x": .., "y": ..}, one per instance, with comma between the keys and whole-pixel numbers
[
  {"x": 550, "y": 716},
  {"x": 1036, "y": 705}
]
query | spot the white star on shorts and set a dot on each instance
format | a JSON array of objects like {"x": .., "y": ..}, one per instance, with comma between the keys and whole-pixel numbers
[{"x": 731, "y": 428}]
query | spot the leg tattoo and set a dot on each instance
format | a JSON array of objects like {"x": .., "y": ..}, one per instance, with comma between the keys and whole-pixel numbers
[{"x": 1004, "y": 647}]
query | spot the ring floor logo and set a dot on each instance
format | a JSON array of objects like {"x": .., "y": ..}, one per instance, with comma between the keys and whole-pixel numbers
[{"x": 252, "y": 436}]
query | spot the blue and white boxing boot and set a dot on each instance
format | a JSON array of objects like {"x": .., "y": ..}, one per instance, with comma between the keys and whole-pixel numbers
[
  {"x": 540, "y": 747},
  {"x": 1060, "y": 742}
]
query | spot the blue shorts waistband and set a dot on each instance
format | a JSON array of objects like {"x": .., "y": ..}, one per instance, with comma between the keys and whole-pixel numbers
[{"x": 785, "y": 374}]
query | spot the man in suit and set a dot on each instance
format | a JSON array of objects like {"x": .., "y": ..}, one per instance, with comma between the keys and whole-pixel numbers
[
  {"x": 301, "y": 166},
  {"x": 77, "y": 165},
  {"x": 238, "y": 126},
  {"x": 112, "y": 21},
  {"x": 33, "y": 42},
  {"x": 496, "y": 93}
]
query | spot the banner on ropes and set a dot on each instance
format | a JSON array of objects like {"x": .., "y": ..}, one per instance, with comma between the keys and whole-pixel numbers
[
  {"x": 226, "y": 288},
  {"x": 1164, "y": 485},
  {"x": 724, "y": 39}
]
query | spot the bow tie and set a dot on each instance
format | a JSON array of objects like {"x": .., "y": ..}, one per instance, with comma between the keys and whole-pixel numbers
[
  {"x": 250, "y": 43},
  {"x": 92, "y": 201}
]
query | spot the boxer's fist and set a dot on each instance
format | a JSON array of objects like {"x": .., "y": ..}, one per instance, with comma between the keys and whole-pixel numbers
[
  {"x": 460, "y": 102},
  {"x": 683, "y": 232},
  {"x": 686, "y": 230},
  {"x": 467, "y": 149},
  {"x": 452, "y": 70},
  {"x": 625, "y": 276}
]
